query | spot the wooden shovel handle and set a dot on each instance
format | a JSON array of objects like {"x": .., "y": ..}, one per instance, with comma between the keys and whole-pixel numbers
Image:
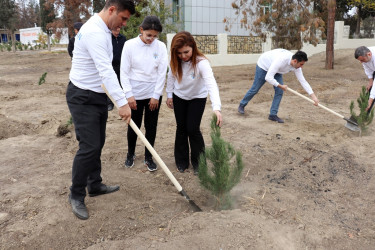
[
  {"x": 149, "y": 147},
  {"x": 319, "y": 105}
]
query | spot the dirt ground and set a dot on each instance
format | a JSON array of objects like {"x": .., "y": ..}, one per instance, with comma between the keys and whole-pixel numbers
[{"x": 307, "y": 183}]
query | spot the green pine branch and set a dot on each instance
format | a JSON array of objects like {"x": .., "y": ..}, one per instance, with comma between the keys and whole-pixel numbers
[
  {"x": 218, "y": 171},
  {"x": 364, "y": 118}
]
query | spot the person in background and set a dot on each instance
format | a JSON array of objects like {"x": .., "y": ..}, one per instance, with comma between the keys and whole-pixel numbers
[
  {"x": 77, "y": 26},
  {"x": 270, "y": 67},
  {"x": 87, "y": 101},
  {"x": 190, "y": 79},
  {"x": 118, "y": 42},
  {"x": 144, "y": 63},
  {"x": 365, "y": 56}
]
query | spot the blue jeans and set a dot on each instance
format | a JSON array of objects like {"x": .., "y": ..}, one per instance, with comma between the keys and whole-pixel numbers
[{"x": 259, "y": 80}]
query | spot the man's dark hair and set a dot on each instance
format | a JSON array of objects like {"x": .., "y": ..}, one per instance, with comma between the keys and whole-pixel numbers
[
  {"x": 77, "y": 25},
  {"x": 151, "y": 23},
  {"x": 361, "y": 51},
  {"x": 300, "y": 56},
  {"x": 121, "y": 5}
]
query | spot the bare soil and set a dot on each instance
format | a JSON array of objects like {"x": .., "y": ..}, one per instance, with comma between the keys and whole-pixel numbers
[{"x": 307, "y": 183}]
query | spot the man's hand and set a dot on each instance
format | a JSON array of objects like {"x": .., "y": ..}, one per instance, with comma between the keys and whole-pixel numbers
[
  {"x": 315, "y": 99},
  {"x": 125, "y": 113},
  {"x": 153, "y": 104},
  {"x": 369, "y": 85},
  {"x": 283, "y": 87},
  {"x": 170, "y": 103},
  {"x": 132, "y": 103},
  {"x": 370, "y": 100}
]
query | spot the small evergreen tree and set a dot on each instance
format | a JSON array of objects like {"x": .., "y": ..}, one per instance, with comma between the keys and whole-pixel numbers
[
  {"x": 42, "y": 79},
  {"x": 364, "y": 118},
  {"x": 224, "y": 173}
]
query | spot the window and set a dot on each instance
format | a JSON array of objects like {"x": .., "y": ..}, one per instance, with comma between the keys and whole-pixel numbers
[{"x": 176, "y": 10}]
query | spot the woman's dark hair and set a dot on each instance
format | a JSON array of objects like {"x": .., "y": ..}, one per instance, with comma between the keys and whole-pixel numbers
[
  {"x": 151, "y": 23},
  {"x": 121, "y": 5},
  {"x": 300, "y": 56},
  {"x": 180, "y": 40}
]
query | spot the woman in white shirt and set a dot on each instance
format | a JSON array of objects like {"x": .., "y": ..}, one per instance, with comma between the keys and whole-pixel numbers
[
  {"x": 144, "y": 63},
  {"x": 190, "y": 80}
]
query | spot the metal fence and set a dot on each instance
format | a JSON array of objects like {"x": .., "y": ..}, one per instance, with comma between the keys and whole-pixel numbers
[
  {"x": 244, "y": 45},
  {"x": 207, "y": 44}
]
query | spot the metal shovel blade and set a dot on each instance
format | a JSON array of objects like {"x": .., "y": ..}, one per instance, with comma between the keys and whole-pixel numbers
[
  {"x": 351, "y": 124},
  {"x": 352, "y": 127},
  {"x": 191, "y": 202}
]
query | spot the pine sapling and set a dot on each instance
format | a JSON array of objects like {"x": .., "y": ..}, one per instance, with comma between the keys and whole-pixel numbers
[
  {"x": 42, "y": 79},
  {"x": 223, "y": 171},
  {"x": 364, "y": 118}
]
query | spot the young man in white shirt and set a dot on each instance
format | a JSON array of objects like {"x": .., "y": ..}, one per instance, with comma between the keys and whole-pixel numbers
[
  {"x": 365, "y": 56},
  {"x": 270, "y": 67},
  {"x": 87, "y": 102}
]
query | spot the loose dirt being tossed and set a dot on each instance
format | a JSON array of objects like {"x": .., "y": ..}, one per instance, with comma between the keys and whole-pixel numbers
[{"x": 306, "y": 184}]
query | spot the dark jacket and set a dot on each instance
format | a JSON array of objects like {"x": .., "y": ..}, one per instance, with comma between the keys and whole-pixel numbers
[
  {"x": 118, "y": 44},
  {"x": 71, "y": 46}
]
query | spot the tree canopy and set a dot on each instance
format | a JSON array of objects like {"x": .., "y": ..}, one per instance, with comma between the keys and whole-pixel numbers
[
  {"x": 8, "y": 14},
  {"x": 290, "y": 21},
  {"x": 150, "y": 7}
]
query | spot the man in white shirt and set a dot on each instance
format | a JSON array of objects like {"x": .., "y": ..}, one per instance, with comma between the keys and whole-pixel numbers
[
  {"x": 365, "y": 56},
  {"x": 87, "y": 102},
  {"x": 270, "y": 67}
]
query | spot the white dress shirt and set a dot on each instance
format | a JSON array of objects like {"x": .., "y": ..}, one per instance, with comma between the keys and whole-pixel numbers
[
  {"x": 196, "y": 84},
  {"x": 143, "y": 68},
  {"x": 369, "y": 68},
  {"x": 92, "y": 60},
  {"x": 278, "y": 61}
]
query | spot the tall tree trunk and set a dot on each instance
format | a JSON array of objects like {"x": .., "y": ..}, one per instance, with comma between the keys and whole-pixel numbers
[
  {"x": 49, "y": 40},
  {"x": 13, "y": 35},
  {"x": 330, "y": 34}
]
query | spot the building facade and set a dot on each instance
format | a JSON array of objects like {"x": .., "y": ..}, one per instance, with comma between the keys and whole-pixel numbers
[{"x": 206, "y": 17}]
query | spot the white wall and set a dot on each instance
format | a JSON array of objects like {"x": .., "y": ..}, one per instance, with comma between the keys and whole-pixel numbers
[{"x": 30, "y": 35}]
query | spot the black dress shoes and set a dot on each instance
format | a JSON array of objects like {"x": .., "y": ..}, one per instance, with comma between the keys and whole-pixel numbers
[
  {"x": 79, "y": 208},
  {"x": 180, "y": 169},
  {"x": 110, "y": 106},
  {"x": 104, "y": 189}
]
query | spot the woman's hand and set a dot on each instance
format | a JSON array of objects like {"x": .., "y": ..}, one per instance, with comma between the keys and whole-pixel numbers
[
  {"x": 219, "y": 118},
  {"x": 132, "y": 103},
  {"x": 153, "y": 104},
  {"x": 170, "y": 103}
]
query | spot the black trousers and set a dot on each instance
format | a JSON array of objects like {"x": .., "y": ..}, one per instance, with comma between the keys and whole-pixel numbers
[
  {"x": 188, "y": 114},
  {"x": 89, "y": 113},
  {"x": 151, "y": 123}
]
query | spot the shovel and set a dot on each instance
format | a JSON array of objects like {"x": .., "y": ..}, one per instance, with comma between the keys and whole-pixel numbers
[
  {"x": 157, "y": 158},
  {"x": 352, "y": 125}
]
